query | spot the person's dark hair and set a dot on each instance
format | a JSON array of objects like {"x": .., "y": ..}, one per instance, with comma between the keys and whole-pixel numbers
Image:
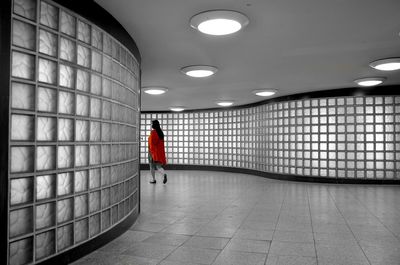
[{"x": 156, "y": 126}]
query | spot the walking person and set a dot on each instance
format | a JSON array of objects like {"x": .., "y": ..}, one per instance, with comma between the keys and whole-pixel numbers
[{"x": 157, "y": 152}]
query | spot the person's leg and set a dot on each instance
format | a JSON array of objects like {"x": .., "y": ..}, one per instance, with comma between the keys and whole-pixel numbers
[
  {"x": 162, "y": 171},
  {"x": 152, "y": 169}
]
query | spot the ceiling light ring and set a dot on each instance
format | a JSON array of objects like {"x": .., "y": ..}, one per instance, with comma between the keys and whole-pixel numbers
[
  {"x": 219, "y": 14},
  {"x": 266, "y": 92},
  {"x": 154, "y": 90},
  {"x": 365, "y": 80},
  {"x": 379, "y": 64},
  {"x": 191, "y": 69}
]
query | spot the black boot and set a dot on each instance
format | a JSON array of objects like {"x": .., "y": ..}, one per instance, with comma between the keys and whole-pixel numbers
[{"x": 165, "y": 179}]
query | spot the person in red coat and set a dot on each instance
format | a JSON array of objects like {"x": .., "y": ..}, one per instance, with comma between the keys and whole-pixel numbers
[{"x": 157, "y": 151}]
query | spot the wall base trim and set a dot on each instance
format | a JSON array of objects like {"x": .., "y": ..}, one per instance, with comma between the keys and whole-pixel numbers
[
  {"x": 278, "y": 176},
  {"x": 97, "y": 242}
]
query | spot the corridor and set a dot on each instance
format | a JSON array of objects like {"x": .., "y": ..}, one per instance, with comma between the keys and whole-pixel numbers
[{"x": 202, "y": 217}]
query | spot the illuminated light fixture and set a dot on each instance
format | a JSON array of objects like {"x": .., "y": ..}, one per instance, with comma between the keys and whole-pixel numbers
[
  {"x": 219, "y": 22},
  {"x": 199, "y": 70},
  {"x": 177, "y": 109},
  {"x": 225, "y": 103},
  {"x": 264, "y": 92},
  {"x": 155, "y": 90},
  {"x": 390, "y": 64},
  {"x": 370, "y": 81}
]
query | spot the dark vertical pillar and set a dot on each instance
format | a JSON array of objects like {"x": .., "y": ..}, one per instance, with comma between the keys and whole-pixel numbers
[{"x": 5, "y": 35}]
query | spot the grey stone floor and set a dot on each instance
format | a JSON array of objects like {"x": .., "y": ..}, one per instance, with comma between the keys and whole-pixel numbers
[{"x": 219, "y": 218}]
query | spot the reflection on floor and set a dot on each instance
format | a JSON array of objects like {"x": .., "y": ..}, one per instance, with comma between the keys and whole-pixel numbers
[{"x": 225, "y": 218}]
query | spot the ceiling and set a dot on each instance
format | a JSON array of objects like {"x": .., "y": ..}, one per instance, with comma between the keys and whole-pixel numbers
[{"x": 290, "y": 45}]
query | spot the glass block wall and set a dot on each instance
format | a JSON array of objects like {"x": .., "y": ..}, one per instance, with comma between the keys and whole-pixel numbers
[
  {"x": 343, "y": 137},
  {"x": 74, "y": 139}
]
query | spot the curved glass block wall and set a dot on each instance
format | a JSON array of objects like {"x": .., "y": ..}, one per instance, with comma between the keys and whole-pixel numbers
[
  {"x": 74, "y": 139},
  {"x": 354, "y": 137}
]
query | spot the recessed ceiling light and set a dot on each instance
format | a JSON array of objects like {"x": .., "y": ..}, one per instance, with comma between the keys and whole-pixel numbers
[
  {"x": 177, "y": 109},
  {"x": 219, "y": 22},
  {"x": 389, "y": 64},
  {"x": 264, "y": 92},
  {"x": 224, "y": 103},
  {"x": 370, "y": 81},
  {"x": 199, "y": 70},
  {"x": 155, "y": 90}
]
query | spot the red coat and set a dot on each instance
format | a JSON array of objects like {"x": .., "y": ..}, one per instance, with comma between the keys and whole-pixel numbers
[{"x": 156, "y": 148}]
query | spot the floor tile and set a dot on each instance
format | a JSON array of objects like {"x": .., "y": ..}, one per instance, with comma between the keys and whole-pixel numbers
[
  {"x": 206, "y": 242},
  {"x": 290, "y": 260},
  {"x": 147, "y": 250},
  {"x": 290, "y": 248},
  {"x": 240, "y": 258},
  {"x": 293, "y": 236},
  {"x": 193, "y": 255},
  {"x": 248, "y": 245}
]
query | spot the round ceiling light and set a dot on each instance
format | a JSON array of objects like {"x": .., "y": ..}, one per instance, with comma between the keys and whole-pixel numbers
[
  {"x": 155, "y": 90},
  {"x": 225, "y": 103},
  {"x": 199, "y": 70},
  {"x": 389, "y": 64},
  {"x": 219, "y": 22},
  {"x": 370, "y": 81},
  {"x": 177, "y": 109},
  {"x": 264, "y": 92}
]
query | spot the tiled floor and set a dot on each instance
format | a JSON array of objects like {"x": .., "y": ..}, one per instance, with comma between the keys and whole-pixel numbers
[{"x": 233, "y": 219}]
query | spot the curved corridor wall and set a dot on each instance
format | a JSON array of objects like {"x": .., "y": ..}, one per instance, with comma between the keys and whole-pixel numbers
[
  {"x": 349, "y": 137},
  {"x": 73, "y": 149}
]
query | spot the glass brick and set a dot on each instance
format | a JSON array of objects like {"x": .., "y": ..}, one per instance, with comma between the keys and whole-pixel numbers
[
  {"x": 24, "y": 35},
  {"x": 48, "y": 43},
  {"x": 45, "y": 215},
  {"x": 81, "y": 230},
  {"x": 81, "y": 130},
  {"x": 95, "y": 152},
  {"x": 46, "y": 129},
  {"x": 45, "y": 158},
  {"x": 94, "y": 225},
  {"x": 23, "y": 65},
  {"x": 97, "y": 40},
  {"x": 22, "y": 96},
  {"x": 95, "y": 108},
  {"x": 82, "y": 105},
  {"x": 45, "y": 244},
  {"x": 82, "y": 80},
  {"x": 81, "y": 155},
  {"x": 65, "y": 129},
  {"x": 65, "y": 156},
  {"x": 47, "y": 71},
  {"x": 48, "y": 15},
  {"x": 67, "y": 24},
  {"x": 21, "y": 191},
  {"x": 66, "y": 76},
  {"x": 95, "y": 131},
  {"x": 65, "y": 237},
  {"x": 83, "y": 56},
  {"x": 21, "y": 251},
  {"x": 64, "y": 210},
  {"x": 22, "y": 159},
  {"x": 45, "y": 187},
  {"x": 21, "y": 221},
  {"x": 81, "y": 181},
  {"x": 47, "y": 99},
  {"x": 83, "y": 32},
  {"x": 81, "y": 205},
  {"x": 25, "y": 8},
  {"x": 95, "y": 84},
  {"x": 66, "y": 102},
  {"x": 67, "y": 50},
  {"x": 22, "y": 127}
]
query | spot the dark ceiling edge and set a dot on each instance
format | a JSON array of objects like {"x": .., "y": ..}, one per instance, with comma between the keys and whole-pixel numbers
[
  {"x": 341, "y": 92},
  {"x": 93, "y": 12}
]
